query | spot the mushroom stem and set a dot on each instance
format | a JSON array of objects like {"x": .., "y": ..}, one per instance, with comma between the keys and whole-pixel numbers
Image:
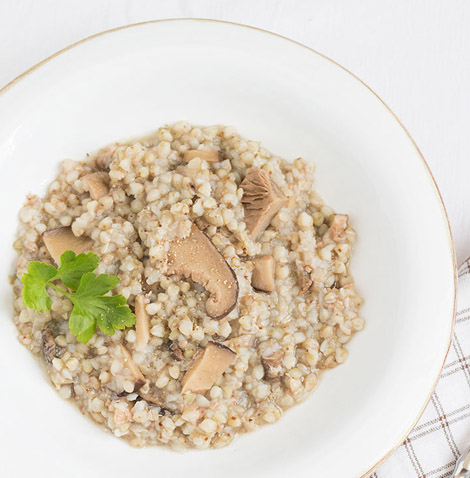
[
  {"x": 208, "y": 366},
  {"x": 262, "y": 277},
  {"x": 138, "y": 376},
  {"x": 142, "y": 322}
]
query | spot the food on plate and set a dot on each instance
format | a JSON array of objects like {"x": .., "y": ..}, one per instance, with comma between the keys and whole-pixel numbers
[
  {"x": 195, "y": 257},
  {"x": 262, "y": 277},
  {"x": 62, "y": 239},
  {"x": 207, "y": 367},
  {"x": 261, "y": 200},
  {"x": 184, "y": 287}
]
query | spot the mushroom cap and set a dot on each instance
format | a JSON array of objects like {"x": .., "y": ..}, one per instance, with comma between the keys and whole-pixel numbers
[
  {"x": 57, "y": 241},
  {"x": 196, "y": 258},
  {"x": 262, "y": 199}
]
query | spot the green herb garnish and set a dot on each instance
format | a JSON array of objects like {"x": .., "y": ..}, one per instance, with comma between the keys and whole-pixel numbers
[{"x": 90, "y": 304}]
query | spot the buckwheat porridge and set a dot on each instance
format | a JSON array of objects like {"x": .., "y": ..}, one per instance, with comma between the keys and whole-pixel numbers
[{"x": 235, "y": 269}]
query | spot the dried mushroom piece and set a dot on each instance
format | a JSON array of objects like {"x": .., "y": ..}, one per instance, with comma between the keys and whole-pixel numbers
[
  {"x": 273, "y": 364},
  {"x": 57, "y": 241},
  {"x": 142, "y": 322},
  {"x": 104, "y": 158},
  {"x": 97, "y": 184},
  {"x": 304, "y": 281},
  {"x": 176, "y": 351},
  {"x": 262, "y": 277},
  {"x": 137, "y": 375},
  {"x": 50, "y": 349},
  {"x": 155, "y": 397},
  {"x": 262, "y": 199},
  {"x": 195, "y": 257},
  {"x": 207, "y": 367},
  {"x": 210, "y": 156},
  {"x": 338, "y": 226}
]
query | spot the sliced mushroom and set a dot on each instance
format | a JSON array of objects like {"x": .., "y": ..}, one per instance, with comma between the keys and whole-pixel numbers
[
  {"x": 209, "y": 155},
  {"x": 97, "y": 184},
  {"x": 196, "y": 258},
  {"x": 338, "y": 226},
  {"x": 49, "y": 347},
  {"x": 142, "y": 322},
  {"x": 57, "y": 241},
  {"x": 261, "y": 199},
  {"x": 272, "y": 364},
  {"x": 262, "y": 277},
  {"x": 207, "y": 367},
  {"x": 137, "y": 375}
]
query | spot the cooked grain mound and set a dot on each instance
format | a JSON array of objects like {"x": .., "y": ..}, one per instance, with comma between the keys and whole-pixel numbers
[{"x": 149, "y": 196}]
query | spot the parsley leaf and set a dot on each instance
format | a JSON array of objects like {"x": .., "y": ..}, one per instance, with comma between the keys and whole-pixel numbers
[
  {"x": 72, "y": 267},
  {"x": 35, "y": 281},
  {"x": 81, "y": 325},
  {"x": 91, "y": 307},
  {"x": 92, "y": 285},
  {"x": 111, "y": 312}
]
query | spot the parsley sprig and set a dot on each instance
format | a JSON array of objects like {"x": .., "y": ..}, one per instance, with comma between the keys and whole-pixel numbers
[{"x": 86, "y": 291}]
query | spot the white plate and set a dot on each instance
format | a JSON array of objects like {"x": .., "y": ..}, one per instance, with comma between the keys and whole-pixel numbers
[{"x": 298, "y": 103}]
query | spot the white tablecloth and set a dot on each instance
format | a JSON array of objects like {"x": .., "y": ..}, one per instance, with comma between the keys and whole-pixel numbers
[{"x": 414, "y": 53}]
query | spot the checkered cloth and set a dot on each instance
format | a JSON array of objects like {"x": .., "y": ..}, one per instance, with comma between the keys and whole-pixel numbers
[{"x": 443, "y": 432}]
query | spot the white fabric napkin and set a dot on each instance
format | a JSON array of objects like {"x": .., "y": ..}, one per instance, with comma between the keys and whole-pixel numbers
[{"x": 443, "y": 432}]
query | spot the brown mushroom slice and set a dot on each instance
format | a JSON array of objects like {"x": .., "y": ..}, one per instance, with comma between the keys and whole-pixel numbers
[
  {"x": 142, "y": 322},
  {"x": 208, "y": 366},
  {"x": 338, "y": 226},
  {"x": 137, "y": 375},
  {"x": 57, "y": 241},
  {"x": 209, "y": 155},
  {"x": 262, "y": 277},
  {"x": 272, "y": 364},
  {"x": 97, "y": 184},
  {"x": 262, "y": 199},
  {"x": 196, "y": 258}
]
